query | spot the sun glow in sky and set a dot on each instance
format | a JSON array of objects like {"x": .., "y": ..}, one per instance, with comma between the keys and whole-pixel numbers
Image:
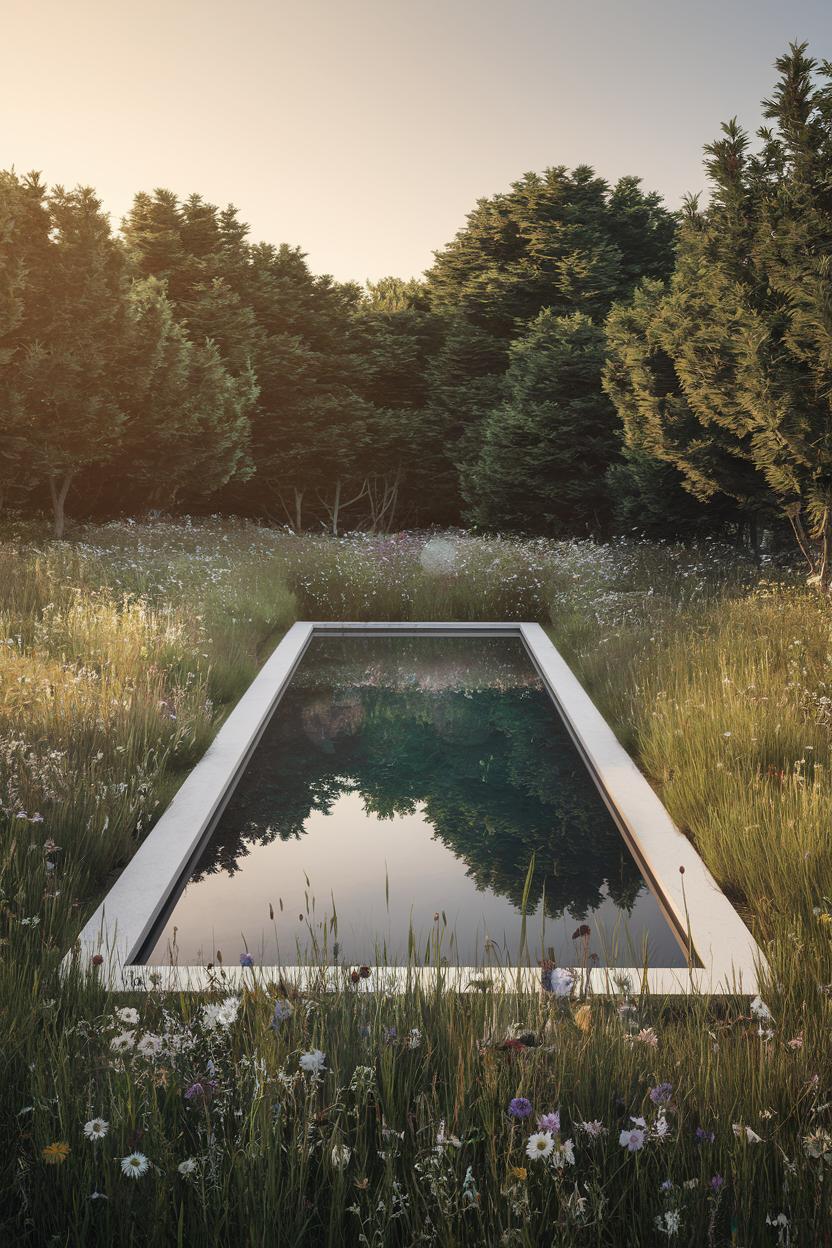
[{"x": 365, "y": 130}]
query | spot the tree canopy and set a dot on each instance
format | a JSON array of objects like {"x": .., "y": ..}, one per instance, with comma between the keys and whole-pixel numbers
[
  {"x": 577, "y": 358},
  {"x": 726, "y": 372}
]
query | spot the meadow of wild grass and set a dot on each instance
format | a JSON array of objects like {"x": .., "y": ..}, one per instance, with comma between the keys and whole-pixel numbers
[{"x": 357, "y": 1117}]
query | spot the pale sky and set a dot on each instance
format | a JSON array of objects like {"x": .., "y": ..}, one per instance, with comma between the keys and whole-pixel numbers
[{"x": 364, "y": 130}]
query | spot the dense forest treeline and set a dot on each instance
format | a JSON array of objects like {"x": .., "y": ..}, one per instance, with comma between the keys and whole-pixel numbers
[{"x": 578, "y": 359}]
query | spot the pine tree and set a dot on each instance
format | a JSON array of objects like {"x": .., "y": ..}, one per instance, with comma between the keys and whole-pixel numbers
[
  {"x": 748, "y": 318},
  {"x": 407, "y": 464},
  {"x": 465, "y": 381},
  {"x": 547, "y": 447},
  {"x": 186, "y": 430},
  {"x": 310, "y": 416},
  {"x": 557, "y": 240},
  {"x": 201, "y": 256},
  {"x": 665, "y": 445}
]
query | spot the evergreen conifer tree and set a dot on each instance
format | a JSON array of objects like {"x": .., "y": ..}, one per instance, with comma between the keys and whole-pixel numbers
[
  {"x": 547, "y": 446},
  {"x": 747, "y": 318}
]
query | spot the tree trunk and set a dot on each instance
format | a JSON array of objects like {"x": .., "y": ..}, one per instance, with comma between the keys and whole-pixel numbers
[
  {"x": 754, "y": 536},
  {"x": 58, "y": 493},
  {"x": 335, "y": 507},
  {"x": 793, "y": 514},
  {"x": 339, "y": 505},
  {"x": 824, "y": 570},
  {"x": 382, "y": 494},
  {"x": 298, "y": 511},
  {"x": 817, "y": 559}
]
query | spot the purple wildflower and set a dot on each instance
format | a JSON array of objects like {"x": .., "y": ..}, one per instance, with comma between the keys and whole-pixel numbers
[
  {"x": 661, "y": 1094},
  {"x": 520, "y": 1107},
  {"x": 549, "y": 1122},
  {"x": 246, "y": 959},
  {"x": 282, "y": 1011},
  {"x": 717, "y": 1183},
  {"x": 201, "y": 1091},
  {"x": 701, "y": 1136},
  {"x": 633, "y": 1139}
]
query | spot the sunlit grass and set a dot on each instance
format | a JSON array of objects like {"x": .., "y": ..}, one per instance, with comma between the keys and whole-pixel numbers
[{"x": 120, "y": 654}]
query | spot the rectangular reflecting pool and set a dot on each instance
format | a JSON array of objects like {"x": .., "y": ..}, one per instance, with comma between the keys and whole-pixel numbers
[{"x": 414, "y": 798}]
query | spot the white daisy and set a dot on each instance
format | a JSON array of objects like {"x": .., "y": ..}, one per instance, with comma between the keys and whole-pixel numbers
[
  {"x": 540, "y": 1145},
  {"x": 96, "y": 1129},
  {"x": 134, "y": 1165},
  {"x": 123, "y": 1042},
  {"x": 760, "y": 1010},
  {"x": 220, "y": 1014},
  {"x": 661, "y": 1128},
  {"x": 312, "y": 1062},
  {"x": 228, "y": 1011},
  {"x": 149, "y": 1045},
  {"x": 669, "y": 1223},
  {"x": 128, "y": 1015}
]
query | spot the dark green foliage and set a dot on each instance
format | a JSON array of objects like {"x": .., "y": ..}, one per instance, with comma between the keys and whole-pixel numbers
[
  {"x": 187, "y": 429},
  {"x": 212, "y": 372},
  {"x": 326, "y": 437},
  {"x": 410, "y": 478},
  {"x": 671, "y": 465},
  {"x": 183, "y": 366},
  {"x": 308, "y": 426},
  {"x": 66, "y": 407},
  {"x": 559, "y": 241},
  {"x": 546, "y": 447},
  {"x": 101, "y": 388},
  {"x": 464, "y": 379},
  {"x": 727, "y": 374},
  {"x": 24, "y": 249}
]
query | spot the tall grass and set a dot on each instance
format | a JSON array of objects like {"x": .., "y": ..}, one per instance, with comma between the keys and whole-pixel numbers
[{"x": 121, "y": 653}]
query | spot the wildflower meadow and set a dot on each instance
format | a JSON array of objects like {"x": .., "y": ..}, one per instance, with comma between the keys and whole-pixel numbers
[{"x": 358, "y": 1115}]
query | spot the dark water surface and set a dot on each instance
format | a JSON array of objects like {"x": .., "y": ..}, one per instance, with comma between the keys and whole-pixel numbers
[{"x": 402, "y": 778}]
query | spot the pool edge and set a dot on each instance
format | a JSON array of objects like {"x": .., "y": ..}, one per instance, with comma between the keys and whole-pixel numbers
[{"x": 119, "y": 928}]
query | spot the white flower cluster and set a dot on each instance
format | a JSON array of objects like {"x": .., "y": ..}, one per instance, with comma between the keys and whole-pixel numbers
[{"x": 220, "y": 1015}]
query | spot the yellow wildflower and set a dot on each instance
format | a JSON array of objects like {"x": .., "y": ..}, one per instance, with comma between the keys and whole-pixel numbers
[
  {"x": 519, "y": 1172},
  {"x": 56, "y": 1153},
  {"x": 583, "y": 1017}
]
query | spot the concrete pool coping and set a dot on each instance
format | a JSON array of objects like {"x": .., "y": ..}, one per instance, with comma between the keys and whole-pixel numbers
[{"x": 689, "y": 896}]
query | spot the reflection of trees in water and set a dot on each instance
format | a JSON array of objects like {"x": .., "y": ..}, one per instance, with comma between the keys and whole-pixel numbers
[{"x": 495, "y": 771}]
